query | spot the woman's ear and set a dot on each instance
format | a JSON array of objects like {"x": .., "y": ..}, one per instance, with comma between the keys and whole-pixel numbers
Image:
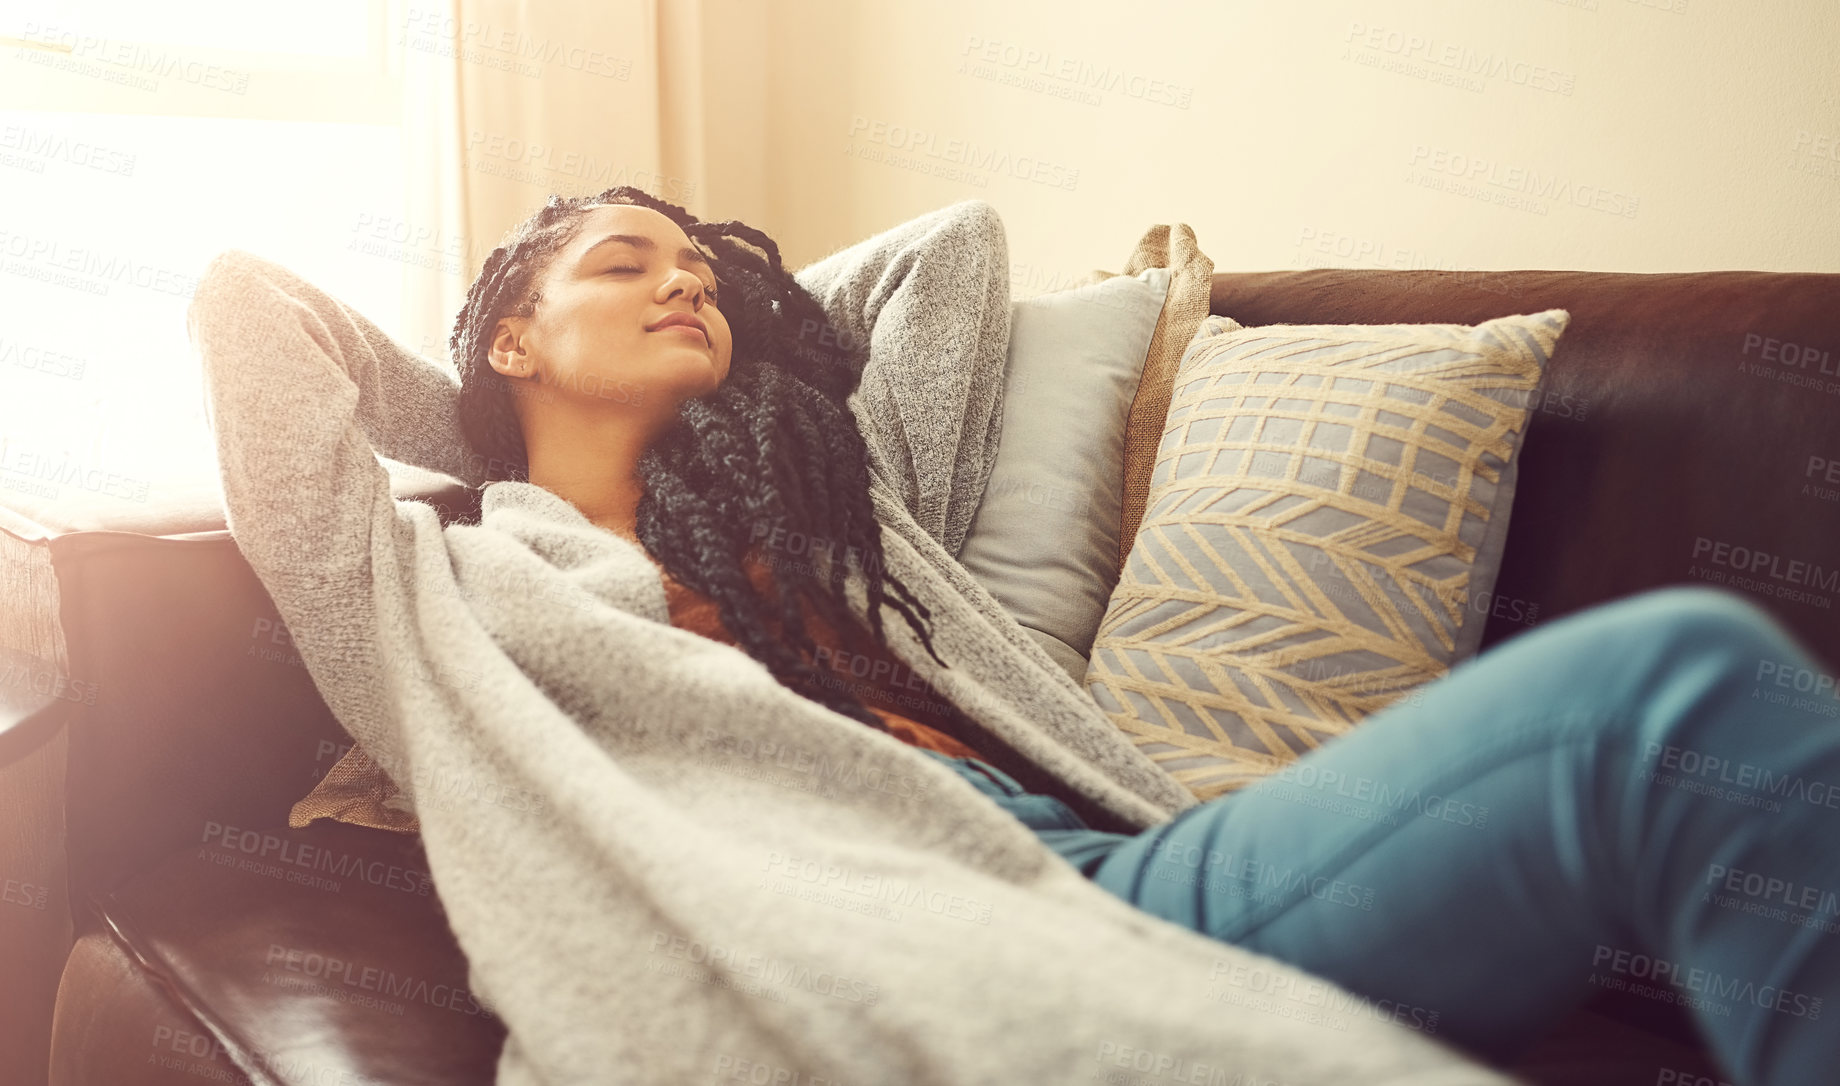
[{"x": 507, "y": 352}]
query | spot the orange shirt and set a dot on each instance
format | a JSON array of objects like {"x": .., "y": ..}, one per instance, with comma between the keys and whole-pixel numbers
[{"x": 889, "y": 688}]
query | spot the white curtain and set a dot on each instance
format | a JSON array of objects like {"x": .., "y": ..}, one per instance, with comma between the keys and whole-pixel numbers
[
  {"x": 507, "y": 101},
  {"x": 435, "y": 197}
]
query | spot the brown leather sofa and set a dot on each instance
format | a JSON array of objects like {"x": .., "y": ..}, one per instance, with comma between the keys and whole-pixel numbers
[{"x": 155, "y": 726}]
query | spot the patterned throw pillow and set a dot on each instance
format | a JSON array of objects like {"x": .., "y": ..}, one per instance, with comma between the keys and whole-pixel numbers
[{"x": 1309, "y": 543}]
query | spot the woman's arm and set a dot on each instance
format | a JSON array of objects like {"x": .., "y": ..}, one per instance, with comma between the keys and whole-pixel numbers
[
  {"x": 303, "y": 391},
  {"x": 409, "y": 405},
  {"x": 930, "y": 298}
]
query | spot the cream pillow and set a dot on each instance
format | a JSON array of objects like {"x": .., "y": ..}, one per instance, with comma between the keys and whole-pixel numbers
[{"x": 1316, "y": 509}]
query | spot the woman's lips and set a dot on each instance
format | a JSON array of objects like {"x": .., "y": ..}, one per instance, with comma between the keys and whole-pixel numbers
[{"x": 690, "y": 328}]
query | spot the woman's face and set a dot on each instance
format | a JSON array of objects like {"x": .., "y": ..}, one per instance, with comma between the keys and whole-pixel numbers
[{"x": 596, "y": 337}]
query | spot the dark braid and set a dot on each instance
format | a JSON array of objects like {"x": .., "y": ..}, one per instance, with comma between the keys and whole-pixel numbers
[{"x": 774, "y": 447}]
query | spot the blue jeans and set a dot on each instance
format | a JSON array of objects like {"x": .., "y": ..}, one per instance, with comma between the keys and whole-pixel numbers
[{"x": 1643, "y": 796}]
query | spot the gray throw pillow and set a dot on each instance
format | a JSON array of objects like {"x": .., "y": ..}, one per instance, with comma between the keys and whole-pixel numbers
[{"x": 1044, "y": 540}]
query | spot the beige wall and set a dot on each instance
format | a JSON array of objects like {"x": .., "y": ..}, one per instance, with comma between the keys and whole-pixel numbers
[{"x": 1614, "y": 135}]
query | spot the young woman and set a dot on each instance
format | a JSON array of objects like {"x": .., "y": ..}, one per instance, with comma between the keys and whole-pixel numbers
[{"x": 681, "y": 390}]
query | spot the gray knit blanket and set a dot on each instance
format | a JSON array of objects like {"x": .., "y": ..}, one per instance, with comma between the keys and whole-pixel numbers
[{"x": 707, "y": 877}]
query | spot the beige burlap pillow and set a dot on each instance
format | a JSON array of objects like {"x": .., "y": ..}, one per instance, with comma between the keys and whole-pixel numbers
[
  {"x": 1318, "y": 501},
  {"x": 358, "y": 791},
  {"x": 1190, "y": 285}
]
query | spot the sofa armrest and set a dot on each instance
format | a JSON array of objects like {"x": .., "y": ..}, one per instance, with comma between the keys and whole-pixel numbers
[
  {"x": 149, "y": 701},
  {"x": 32, "y": 704},
  {"x": 35, "y": 922},
  {"x": 200, "y": 715},
  {"x": 189, "y": 710}
]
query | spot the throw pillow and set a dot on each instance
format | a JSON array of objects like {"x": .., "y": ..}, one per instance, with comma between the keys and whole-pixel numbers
[
  {"x": 1190, "y": 294},
  {"x": 356, "y": 790},
  {"x": 1319, "y": 502},
  {"x": 1044, "y": 540}
]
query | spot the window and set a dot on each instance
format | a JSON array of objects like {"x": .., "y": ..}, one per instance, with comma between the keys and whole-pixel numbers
[{"x": 140, "y": 140}]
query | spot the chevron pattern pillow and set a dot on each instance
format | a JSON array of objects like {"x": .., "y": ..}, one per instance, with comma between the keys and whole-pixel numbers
[{"x": 1319, "y": 502}]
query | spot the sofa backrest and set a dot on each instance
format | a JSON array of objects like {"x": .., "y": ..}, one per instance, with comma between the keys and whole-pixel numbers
[{"x": 1682, "y": 437}]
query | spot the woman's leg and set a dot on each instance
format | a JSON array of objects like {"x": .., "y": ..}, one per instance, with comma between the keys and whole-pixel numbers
[{"x": 1631, "y": 795}]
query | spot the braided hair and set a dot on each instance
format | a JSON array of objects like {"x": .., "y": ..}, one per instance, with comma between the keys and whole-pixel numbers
[{"x": 773, "y": 448}]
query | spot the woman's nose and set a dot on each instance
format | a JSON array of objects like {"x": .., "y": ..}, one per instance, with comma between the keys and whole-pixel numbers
[{"x": 685, "y": 282}]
